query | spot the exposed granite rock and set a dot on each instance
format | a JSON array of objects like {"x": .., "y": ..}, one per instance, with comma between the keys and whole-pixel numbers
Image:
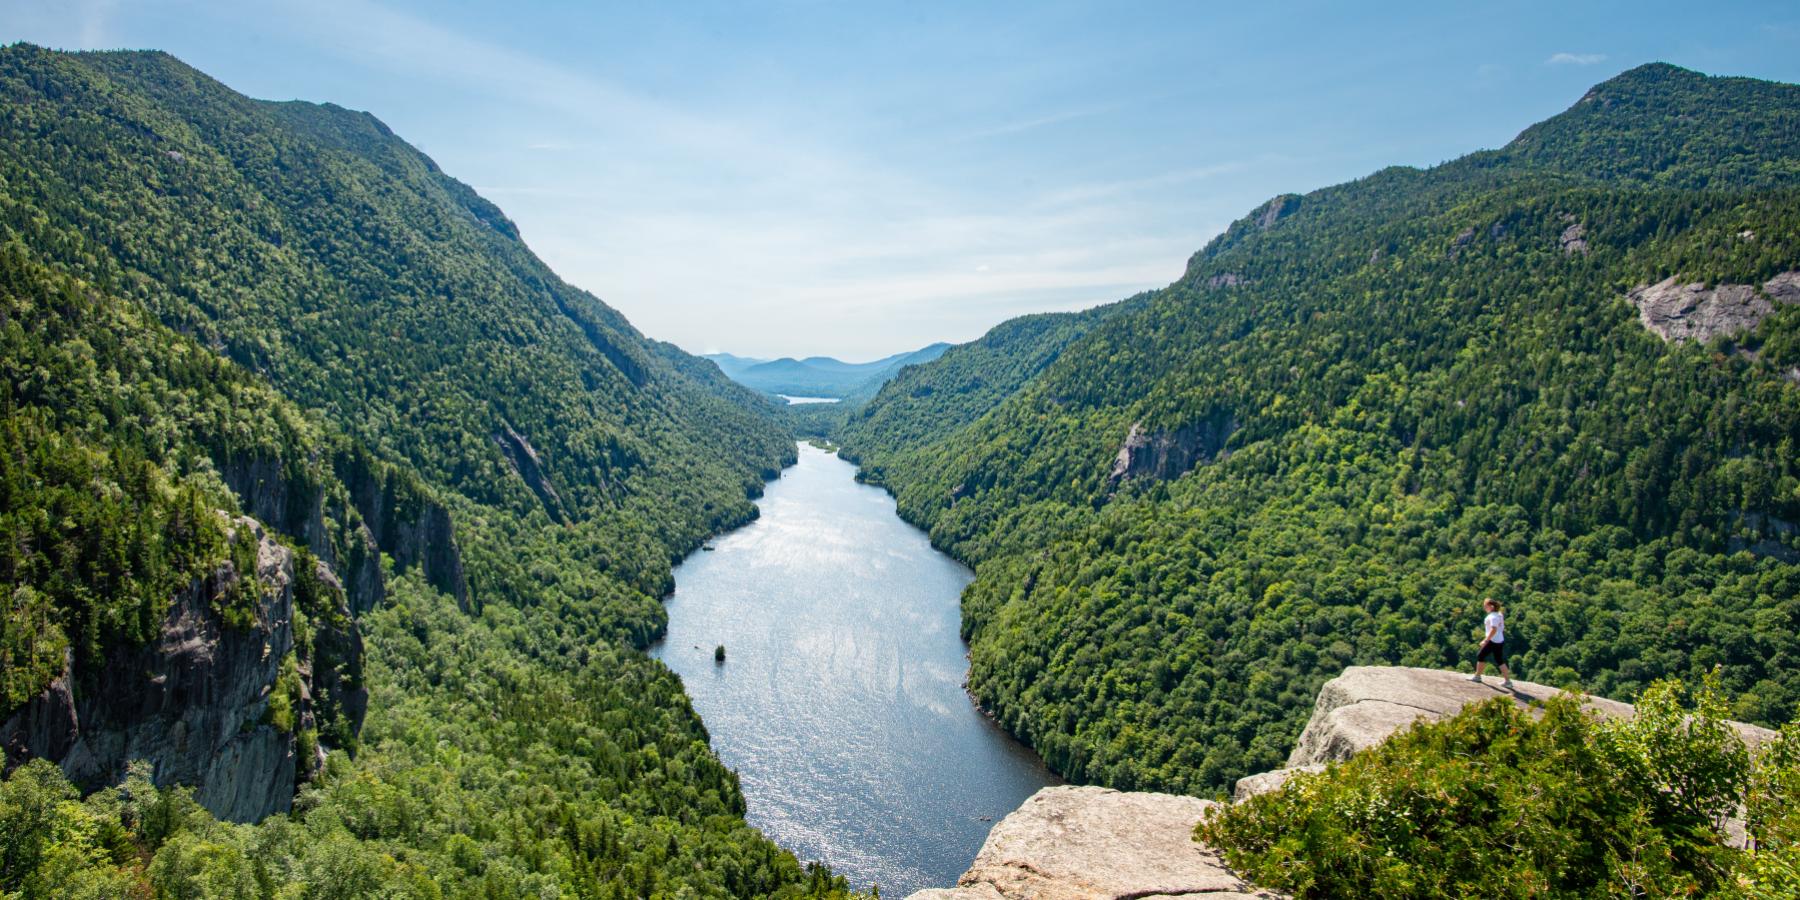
[
  {"x": 1367, "y": 704},
  {"x": 47, "y": 725},
  {"x": 332, "y": 675},
  {"x": 1225, "y": 280},
  {"x": 292, "y": 500},
  {"x": 1574, "y": 239},
  {"x": 1463, "y": 239},
  {"x": 1677, "y": 311},
  {"x": 1264, "y": 782},
  {"x": 1784, "y": 288},
  {"x": 287, "y": 501},
  {"x": 523, "y": 458},
  {"x": 405, "y": 523},
  {"x": 1089, "y": 843},
  {"x": 1169, "y": 454},
  {"x": 1278, "y": 208},
  {"x": 190, "y": 701}
]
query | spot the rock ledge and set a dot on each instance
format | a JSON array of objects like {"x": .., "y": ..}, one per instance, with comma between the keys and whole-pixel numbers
[{"x": 1090, "y": 843}]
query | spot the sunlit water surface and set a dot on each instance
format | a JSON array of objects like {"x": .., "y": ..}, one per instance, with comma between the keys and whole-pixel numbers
[{"x": 840, "y": 702}]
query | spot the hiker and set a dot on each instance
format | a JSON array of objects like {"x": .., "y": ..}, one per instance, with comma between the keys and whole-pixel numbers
[{"x": 1493, "y": 645}]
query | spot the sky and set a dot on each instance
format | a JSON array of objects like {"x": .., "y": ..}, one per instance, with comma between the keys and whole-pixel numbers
[{"x": 856, "y": 179}]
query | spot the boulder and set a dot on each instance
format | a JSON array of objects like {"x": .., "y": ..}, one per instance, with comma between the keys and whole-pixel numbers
[{"x": 1264, "y": 782}]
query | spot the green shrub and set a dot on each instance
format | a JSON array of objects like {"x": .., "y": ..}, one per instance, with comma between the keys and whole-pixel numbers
[{"x": 1500, "y": 801}]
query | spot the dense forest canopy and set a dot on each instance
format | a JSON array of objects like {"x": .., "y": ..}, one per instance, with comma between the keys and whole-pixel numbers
[
  {"x": 195, "y": 285},
  {"x": 1362, "y": 410}
]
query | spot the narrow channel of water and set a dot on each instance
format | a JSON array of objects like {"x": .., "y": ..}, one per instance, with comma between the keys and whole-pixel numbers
[{"x": 840, "y": 701}]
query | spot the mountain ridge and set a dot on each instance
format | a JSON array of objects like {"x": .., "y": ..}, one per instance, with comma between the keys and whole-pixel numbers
[
  {"x": 1305, "y": 451},
  {"x": 822, "y": 376},
  {"x": 217, "y": 306}
]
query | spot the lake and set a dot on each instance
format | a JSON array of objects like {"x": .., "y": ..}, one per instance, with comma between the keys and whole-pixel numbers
[{"x": 840, "y": 702}]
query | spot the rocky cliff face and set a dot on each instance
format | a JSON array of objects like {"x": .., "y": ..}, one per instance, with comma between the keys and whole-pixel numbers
[
  {"x": 194, "y": 702},
  {"x": 1087, "y": 843},
  {"x": 1677, "y": 311},
  {"x": 403, "y": 521},
  {"x": 1170, "y": 454}
]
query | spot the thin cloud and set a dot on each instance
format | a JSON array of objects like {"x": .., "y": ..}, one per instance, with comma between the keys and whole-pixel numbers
[
  {"x": 1575, "y": 59},
  {"x": 1023, "y": 125}
]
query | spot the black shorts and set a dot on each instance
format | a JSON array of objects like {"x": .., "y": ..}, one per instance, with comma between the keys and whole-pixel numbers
[{"x": 1493, "y": 650}]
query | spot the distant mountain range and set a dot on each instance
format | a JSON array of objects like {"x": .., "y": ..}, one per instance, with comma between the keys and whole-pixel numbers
[{"x": 820, "y": 376}]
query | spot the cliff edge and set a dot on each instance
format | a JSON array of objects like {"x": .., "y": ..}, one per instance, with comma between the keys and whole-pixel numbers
[{"x": 1089, "y": 843}]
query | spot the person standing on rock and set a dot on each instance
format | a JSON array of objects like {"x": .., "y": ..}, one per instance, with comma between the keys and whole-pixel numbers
[{"x": 1493, "y": 645}]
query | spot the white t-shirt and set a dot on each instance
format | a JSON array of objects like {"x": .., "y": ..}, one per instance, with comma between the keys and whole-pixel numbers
[{"x": 1497, "y": 622}]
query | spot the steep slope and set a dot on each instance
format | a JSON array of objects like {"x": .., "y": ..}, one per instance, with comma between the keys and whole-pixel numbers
[
  {"x": 929, "y": 402},
  {"x": 468, "y": 481},
  {"x": 1365, "y": 408},
  {"x": 130, "y": 456}
]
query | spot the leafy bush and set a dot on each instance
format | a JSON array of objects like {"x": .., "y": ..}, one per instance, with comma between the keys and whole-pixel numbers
[{"x": 1500, "y": 801}]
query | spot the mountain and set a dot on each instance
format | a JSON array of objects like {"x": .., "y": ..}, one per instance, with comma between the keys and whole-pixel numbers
[
  {"x": 821, "y": 376},
  {"x": 1564, "y": 373},
  {"x": 328, "y": 505},
  {"x": 732, "y": 365}
]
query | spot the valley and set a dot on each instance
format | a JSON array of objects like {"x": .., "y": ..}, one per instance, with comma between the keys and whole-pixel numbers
[
  {"x": 351, "y": 551},
  {"x": 840, "y": 703}
]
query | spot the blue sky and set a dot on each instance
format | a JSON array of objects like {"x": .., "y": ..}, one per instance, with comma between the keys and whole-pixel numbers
[{"x": 857, "y": 179}]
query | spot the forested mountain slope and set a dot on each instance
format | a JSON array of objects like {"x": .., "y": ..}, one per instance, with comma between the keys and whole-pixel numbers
[
  {"x": 473, "y": 476},
  {"x": 1363, "y": 409}
]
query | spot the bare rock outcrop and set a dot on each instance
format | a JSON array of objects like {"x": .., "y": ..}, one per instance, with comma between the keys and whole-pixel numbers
[
  {"x": 1277, "y": 208},
  {"x": 1170, "y": 453},
  {"x": 524, "y": 460},
  {"x": 1367, "y": 704},
  {"x": 1090, "y": 843},
  {"x": 1264, "y": 782},
  {"x": 402, "y": 520},
  {"x": 1573, "y": 239},
  {"x": 1678, "y": 311},
  {"x": 191, "y": 701}
]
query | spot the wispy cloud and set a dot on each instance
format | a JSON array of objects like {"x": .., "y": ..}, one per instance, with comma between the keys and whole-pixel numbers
[
  {"x": 1575, "y": 59},
  {"x": 792, "y": 225},
  {"x": 1032, "y": 124}
]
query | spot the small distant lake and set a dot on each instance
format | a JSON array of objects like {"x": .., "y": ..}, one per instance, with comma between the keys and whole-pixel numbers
[
  {"x": 796, "y": 401},
  {"x": 841, "y": 701}
]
